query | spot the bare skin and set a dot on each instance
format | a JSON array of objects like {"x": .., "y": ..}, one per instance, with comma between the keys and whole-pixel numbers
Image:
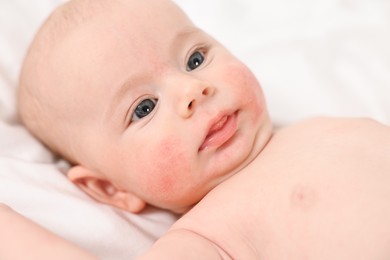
[
  {"x": 23, "y": 239},
  {"x": 320, "y": 190}
]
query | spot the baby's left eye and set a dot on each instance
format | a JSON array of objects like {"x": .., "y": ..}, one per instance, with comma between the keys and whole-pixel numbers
[{"x": 196, "y": 59}]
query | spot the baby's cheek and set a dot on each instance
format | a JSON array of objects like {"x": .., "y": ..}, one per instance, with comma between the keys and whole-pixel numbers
[
  {"x": 166, "y": 169},
  {"x": 245, "y": 86},
  {"x": 236, "y": 73}
]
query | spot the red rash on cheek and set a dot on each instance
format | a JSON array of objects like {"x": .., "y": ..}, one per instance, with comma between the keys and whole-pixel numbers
[
  {"x": 167, "y": 168},
  {"x": 237, "y": 74},
  {"x": 244, "y": 84}
]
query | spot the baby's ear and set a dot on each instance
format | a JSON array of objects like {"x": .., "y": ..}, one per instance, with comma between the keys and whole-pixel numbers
[{"x": 104, "y": 191}]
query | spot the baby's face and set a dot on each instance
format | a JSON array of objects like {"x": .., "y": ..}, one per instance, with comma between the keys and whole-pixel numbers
[{"x": 162, "y": 109}]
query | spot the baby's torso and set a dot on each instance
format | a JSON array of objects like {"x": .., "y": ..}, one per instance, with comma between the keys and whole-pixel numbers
[{"x": 320, "y": 190}]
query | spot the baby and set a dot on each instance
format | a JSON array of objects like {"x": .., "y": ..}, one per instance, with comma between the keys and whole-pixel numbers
[{"x": 149, "y": 109}]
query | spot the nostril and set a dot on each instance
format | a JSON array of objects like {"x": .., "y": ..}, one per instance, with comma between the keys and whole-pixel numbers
[{"x": 190, "y": 105}]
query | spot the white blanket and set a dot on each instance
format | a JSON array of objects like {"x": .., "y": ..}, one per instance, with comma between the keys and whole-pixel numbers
[{"x": 312, "y": 57}]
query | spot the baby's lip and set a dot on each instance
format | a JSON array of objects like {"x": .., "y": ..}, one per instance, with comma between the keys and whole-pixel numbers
[{"x": 220, "y": 129}]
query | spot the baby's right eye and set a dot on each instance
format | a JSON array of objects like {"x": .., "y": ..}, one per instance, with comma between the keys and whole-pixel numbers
[
  {"x": 195, "y": 60},
  {"x": 144, "y": 108}
]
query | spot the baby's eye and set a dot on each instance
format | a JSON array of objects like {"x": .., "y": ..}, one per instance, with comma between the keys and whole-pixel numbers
[
  {"x": 195, "y": 60},
  {"x": 144, "y": 108}
]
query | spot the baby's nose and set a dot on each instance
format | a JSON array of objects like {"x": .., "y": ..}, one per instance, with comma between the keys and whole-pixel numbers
[{"x": 193, "y": 97}]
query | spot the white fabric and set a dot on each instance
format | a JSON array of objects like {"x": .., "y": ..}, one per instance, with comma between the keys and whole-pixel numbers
[{"x": 312, "y": 57}]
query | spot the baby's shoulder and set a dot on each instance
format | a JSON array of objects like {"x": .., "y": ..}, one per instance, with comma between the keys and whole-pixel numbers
[
  {"x": 332, "y": 128},
  {"x": 335, "y": 123},
  {"x": 334, "y": 137}
]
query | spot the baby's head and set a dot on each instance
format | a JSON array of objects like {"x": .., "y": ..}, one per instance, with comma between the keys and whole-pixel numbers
[{"x": 146, "y": 107}]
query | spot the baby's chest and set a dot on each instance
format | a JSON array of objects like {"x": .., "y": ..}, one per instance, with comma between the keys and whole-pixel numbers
[
  {"x": 320, "y": 205},
  {"x": 322, "y": 218}
]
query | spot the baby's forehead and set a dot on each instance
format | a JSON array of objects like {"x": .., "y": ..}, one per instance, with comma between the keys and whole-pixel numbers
[
  {"x": 142, "y": 15},
  {"x": 129, "y": 22},
  {"x": 74, "y": 13},
  {"x": 91, "y": 42}
]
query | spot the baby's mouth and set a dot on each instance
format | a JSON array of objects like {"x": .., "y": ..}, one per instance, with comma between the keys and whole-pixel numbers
[{"x": 223, "y": 128}]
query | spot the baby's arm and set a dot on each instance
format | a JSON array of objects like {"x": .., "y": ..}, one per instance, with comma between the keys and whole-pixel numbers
[
  {"x": 21, "y": 238},
  {"x": 184, "y": 244}
]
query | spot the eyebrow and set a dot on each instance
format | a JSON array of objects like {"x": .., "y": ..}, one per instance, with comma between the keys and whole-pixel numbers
[
  {"x": 119, "y": 93},
  {"x": 186, "y": 32},
  {"x": 180, "y": 39}
]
